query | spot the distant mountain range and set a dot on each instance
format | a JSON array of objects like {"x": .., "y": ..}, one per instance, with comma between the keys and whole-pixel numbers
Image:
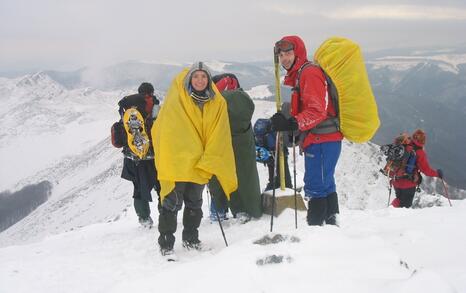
[
  {"x": 414, "y": 89},
  {"x": 54, "y": 143}
]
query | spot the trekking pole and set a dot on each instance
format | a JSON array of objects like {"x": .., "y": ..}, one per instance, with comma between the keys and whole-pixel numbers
[
  {"x": 218, "y": 217},
  {"x": 446, "y": 191},
  {"x": 294, "y": 183},
  {"x": 278, "y": 101},
  {"x": 274, "y": 176},
  {"x": 389, "y": 193}
]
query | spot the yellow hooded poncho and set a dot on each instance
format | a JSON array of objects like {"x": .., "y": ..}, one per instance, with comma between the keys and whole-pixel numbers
[{"x": 191, "y": 144}]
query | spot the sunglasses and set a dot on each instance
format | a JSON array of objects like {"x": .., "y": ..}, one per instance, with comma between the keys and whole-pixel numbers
[{"x": 283, "y": 46}]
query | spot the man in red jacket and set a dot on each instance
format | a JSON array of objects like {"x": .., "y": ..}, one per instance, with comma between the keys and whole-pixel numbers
[
  {"x": 405, "y": 188},
  {"x": 312, "y": 113}
]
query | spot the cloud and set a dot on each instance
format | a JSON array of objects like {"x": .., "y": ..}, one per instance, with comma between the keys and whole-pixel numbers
[
  {"x": 399, "y": 12},
  {"x": 288, "y": 9}
]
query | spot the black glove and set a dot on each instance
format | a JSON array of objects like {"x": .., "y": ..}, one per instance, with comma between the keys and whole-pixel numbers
[
  {"x": 440, "y": 173},
  {"x": 280, "y": 123}
]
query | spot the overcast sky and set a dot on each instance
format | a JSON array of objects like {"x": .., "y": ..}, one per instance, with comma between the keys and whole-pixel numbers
[{"x": 66, "y": 34}]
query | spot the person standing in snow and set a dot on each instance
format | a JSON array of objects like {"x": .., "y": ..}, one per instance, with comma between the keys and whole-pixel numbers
[
  {"x": 405, "y": 188},
  {"x": 311, "y": 106},
  {"x": 245, "y": 202},
  {"x": 265, "y": 138},
  {"x": 141, "y": 172},
  {"x": 192, "y": 142}
]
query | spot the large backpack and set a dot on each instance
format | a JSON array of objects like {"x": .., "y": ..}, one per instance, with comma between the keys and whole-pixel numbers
[
  {"x": 263, "y": 134},
  {"x": 401, "y": 159},
  {"x": 348, "y": 85},
  {"x": 132, "y": 131},
  {"x": 118, "y": 135}
]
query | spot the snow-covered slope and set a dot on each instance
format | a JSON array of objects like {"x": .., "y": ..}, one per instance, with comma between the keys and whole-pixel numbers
[
  {"x": 85, "y": 238},
  {"x": 387, "y": 250},
  {"x": 86, "y": 177},
  {"x": 447, "y": 62},
  {"x": 42, "y": 122}
]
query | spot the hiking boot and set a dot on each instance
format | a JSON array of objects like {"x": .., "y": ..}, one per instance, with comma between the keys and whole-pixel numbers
[
  {"x": 332, "y": 220},
  {"x": 332, "y": 209},
  {"x": 146, "y": 222},
  {"x": 317, "y": 211},
  {"x": 222, "y": 216},
  {"x": 193, "y": 244},
  {"x": 243, "y": 217},
  {"x": 166, "y": 251},
  {"x": 168, "y": 254}
]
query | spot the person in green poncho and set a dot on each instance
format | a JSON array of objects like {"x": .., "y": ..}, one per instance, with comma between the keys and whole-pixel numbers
[{"x": 245, "y": 202}]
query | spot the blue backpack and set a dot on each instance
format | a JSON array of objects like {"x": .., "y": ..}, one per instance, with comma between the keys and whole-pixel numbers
[{"x": 263, "y": 134}]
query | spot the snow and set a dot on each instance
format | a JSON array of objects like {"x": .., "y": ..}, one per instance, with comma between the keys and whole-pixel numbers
[
  {"x": 260, "y": 92},
  {"x": 86, "y": 238},
  {"x": 40, "y": 152},
  {"x": 395, "y": 65},
  {"x": 217, "y": 66},
  {"x": 446, "y": 62},
  {"x": 388, "y": 250}
]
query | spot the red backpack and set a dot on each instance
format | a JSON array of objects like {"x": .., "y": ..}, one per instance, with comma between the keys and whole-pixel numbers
[{"x": 401, "y": 159}]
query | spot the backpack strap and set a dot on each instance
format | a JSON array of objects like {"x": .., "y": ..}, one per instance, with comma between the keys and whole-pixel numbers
[{"x": 331, "y": 124}]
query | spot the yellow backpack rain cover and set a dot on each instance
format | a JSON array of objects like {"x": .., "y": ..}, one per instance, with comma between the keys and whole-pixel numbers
[{"x": 342, "y": 61}]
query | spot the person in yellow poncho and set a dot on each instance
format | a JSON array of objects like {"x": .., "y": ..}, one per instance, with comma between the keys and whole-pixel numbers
[{"x": 192, "y": 142}]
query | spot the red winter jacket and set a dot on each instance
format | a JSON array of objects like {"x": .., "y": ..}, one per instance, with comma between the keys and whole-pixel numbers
[
  {"x": 422, "y": 164},
  {"x": 314, "y": 104}
]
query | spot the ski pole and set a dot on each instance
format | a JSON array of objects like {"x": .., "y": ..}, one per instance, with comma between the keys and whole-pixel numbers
[
  {"x": 278, "y": 101},
  {"x": 446, "y": 191},
  {"x": 218, "y": 217},
  {"x": 274, "y": 176},
  {"x": 389, "y": 193},
  {"x": 294, "y": 183}
]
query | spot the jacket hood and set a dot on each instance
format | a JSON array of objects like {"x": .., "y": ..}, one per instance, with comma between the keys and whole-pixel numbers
[
  {"x": 209, "y": 92},
  {"x": 419, "y": 137},
  {"x": 300, "y": 53}
]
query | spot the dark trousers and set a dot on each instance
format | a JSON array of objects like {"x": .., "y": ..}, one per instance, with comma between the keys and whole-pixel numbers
[
  {"x": 270, "y": 165},
  {"x": 142, "y": 208},
  {"x": 191, "y": 194},
  {"x": 405, "y": 196}
]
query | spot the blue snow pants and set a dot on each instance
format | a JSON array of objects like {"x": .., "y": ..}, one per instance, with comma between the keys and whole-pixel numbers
[{"x": 319, "y": 162}]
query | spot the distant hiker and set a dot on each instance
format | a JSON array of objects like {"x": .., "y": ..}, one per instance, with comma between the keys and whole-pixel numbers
[
  {"x": 245, "y": 202},
  {"x": 265, "y": 139},
  {"x": 404, "y": 180},
  {"x": 192, "y": 142},
  {"x": 310, "y": 106},
  {"x": 141, "y": 171}
]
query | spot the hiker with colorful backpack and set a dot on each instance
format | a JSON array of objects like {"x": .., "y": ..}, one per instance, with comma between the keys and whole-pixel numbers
[
  {"x": 192, "y": 143},
  {"x": 405, "y": 179},
  {"x": 265, "y": 139},
  {"x": 245, "y": 202},
  {"x": 140, "y": 170},
  {"x": 311, "y": 108}
]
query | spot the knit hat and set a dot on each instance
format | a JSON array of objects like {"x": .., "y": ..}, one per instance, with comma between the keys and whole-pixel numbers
[
  {"x": 419, "y": 137},
  {"x": 226, "y": 82},
  {"x": 146, "y": 88},
  {"x": 204, "y": 95}
]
